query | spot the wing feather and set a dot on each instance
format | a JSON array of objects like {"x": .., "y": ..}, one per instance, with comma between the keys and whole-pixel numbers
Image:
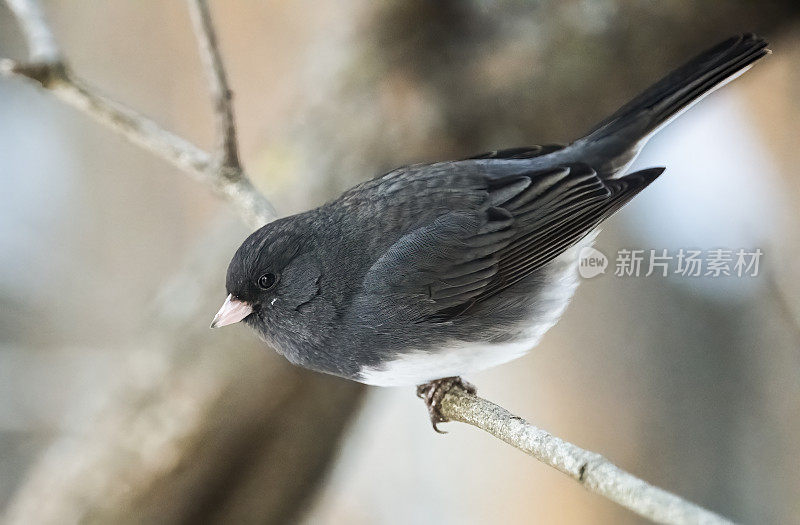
[{"x": 513, "y": 225}]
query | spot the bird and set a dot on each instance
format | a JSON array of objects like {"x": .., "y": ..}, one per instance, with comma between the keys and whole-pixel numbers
[{"x": 431, "y": 272}]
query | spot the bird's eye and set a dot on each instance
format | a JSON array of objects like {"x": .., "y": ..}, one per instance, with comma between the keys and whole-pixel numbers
[{"x": 267, "y": 281}]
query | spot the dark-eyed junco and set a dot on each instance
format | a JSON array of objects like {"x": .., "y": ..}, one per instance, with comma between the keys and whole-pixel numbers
[{"x": 432, "y": 271}]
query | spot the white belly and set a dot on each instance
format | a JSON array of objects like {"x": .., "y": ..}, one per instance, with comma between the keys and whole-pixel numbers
[{"x": 416, "y": 367}]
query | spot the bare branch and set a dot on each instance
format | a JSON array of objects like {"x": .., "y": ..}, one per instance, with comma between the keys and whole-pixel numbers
[
  {"x": 48, "y": 69},
  {"x": 591, "y": 470},
  {"x": 218, "y": 82}
]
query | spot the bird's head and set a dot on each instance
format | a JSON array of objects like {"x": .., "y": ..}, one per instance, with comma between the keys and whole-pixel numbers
[{"x": 271, "y": 278}]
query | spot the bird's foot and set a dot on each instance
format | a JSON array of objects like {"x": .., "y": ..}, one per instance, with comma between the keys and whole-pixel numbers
[{"x": 433, "y": 393}]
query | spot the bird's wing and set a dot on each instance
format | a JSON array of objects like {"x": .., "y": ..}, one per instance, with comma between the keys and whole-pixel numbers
[
  {"x": 557, "y": 213},
  {"x": 465, "y": 256}
]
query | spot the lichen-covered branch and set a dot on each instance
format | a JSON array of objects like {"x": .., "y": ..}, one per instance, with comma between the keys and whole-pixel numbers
[
  {"x": 46, "y": 67},
  {"x": 590, "y": 469}
]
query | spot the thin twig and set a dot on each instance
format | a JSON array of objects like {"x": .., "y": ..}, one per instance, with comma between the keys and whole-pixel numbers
[
  {"x": 221, "y": 95},
  {"x": 47, "y": 68},
  {"x": 135, "y": 127},
  {"x": 591, "y": 470}
]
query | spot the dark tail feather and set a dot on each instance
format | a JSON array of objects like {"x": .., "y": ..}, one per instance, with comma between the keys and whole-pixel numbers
[{"x": 665, "y": 99}]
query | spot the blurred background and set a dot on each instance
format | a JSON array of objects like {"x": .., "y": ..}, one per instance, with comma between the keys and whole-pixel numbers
[{"x": 117, "y": 404}]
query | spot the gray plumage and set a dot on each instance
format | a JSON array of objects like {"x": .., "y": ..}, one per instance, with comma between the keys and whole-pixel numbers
[{"x": 441, "y": 269}]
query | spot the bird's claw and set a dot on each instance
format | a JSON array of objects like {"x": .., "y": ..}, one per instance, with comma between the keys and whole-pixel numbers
[{"x": 433, "y": 393}]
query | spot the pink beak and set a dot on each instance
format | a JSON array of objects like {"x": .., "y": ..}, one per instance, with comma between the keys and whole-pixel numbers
[{"x": 232, "y": 311}]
